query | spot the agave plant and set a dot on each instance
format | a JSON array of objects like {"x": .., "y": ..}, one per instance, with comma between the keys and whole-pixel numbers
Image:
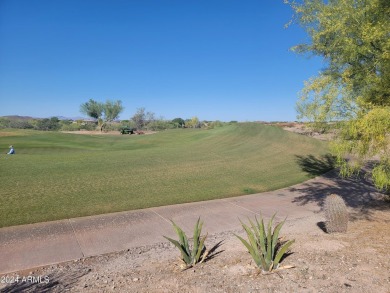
[
  {"x": 264, "y": 246},
  {"x": 198, "y": 253}
]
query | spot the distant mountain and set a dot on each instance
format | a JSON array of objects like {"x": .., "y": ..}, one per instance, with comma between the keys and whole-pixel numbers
[
  {"x": 17, "y": 117},
  {"x": 71, "y": 118},
  {"x": 62, "y": 118}
]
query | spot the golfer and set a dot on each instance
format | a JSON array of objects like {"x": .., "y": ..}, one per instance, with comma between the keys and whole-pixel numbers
[{"x": 11, "y": 150}]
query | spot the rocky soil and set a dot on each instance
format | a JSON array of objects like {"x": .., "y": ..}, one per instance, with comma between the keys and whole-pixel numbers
[{"x": 357, "y": 261}]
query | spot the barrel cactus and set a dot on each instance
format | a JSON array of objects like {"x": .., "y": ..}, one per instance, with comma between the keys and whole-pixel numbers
[{"x": 336, "y": 214}]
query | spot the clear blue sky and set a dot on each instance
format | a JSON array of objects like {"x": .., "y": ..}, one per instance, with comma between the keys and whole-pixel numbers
[{"x": 215, "y": 59}]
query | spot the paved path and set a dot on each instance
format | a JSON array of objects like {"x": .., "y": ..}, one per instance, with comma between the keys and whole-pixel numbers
[{"x": 28, "y": 246}]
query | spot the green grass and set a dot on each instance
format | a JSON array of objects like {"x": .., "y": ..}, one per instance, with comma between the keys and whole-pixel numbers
[{"x": 58, "y": 175}]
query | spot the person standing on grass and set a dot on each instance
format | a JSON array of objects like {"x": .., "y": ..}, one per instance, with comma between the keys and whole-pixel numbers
[{"x": 11, "y": 150}]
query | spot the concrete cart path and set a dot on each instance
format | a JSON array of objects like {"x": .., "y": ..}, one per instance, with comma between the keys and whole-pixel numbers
[{"x": 28, "y": 246}]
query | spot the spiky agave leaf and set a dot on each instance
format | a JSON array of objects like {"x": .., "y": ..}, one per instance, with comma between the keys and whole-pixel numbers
[
  {"x": 255, "y": 231},
  {"x": 252, "y": 239},
  {"x": 275, "y": 237},
  {"x": 268, "y": 258},
  {"x": 198, "y": 253},
  {"x": 182, "y": 238},
  {"x": 186, "y": 258},
  {"x": 255, "y": 257},
  {"x": 197, "y": 232},
  {"x": 262, "y": 235},
  {"x": 262, "y": 241}
]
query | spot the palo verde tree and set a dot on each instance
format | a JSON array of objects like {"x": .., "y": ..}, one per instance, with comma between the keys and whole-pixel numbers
[
  {"x": 353, "y": 37},
  {"x": 111, "y": 110},
  {"x": 102, "y": 112},
  {"x": 193, "y": 122}
]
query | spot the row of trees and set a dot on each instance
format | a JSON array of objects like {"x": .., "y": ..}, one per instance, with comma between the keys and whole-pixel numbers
[
  {"x": 106, "y": 113},
  {"x": 46, "y": 124},
  {"x": 51, "y": 124},
  {"x": 104, "y": 116},
  {"x": 54, "y": 124},
  {"x": 141, "y": 120}
]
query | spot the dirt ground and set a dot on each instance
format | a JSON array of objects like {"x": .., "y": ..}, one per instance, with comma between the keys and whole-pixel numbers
[
  {"x": 96, "y": 132},
  {"x": 301, "y": 128},
  {"x": 357, "y": 261}
]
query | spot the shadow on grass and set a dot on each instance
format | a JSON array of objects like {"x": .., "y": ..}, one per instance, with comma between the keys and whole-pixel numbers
[
  {"x": 359, "y": 193},
  {"x": 55, "y": 282},
  {"x": 316, "y": 166}
]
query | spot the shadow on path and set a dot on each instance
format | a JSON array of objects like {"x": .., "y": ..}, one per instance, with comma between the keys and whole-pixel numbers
[{"x": 359, "y": 194}]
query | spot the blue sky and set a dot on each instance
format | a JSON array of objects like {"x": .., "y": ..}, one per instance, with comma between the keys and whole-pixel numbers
[{"x": 214, "y": 59}]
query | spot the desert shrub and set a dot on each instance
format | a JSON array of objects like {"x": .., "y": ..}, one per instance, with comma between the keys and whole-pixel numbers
[
  {"x": 21, "y": 124},
  {"x": 70, "y": 127},
  {"x": 178, "y": 122},
  {"x": 88, "y": 126},
  {"x": 4, "y": 123},
  {"x": 215, "y": 124},
  {"x": 336, "y": 214},
  {"x": 48, "y": 124},
  {"x": 15, "y": 123},
  {"x": 381, "y": 176},
  {"x": 160, "y": 124},
  {"x": 112, "y": 126},
  {"x": 264, "y": 246},
  {"x": 198, "y": 253}
]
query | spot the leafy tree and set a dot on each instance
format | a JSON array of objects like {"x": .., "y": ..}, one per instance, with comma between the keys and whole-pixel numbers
[
  {"x": 92, "y": 109},
  {"x": 139, "y": 118},
  {"x": 51, "y": 124},
  {"x": 179, "y": 122},
  {"x": 142, "y": 118},
  {"x": 112, "y": 110},
  {"x": 193, "y": 122},
  {"x": 354, "y": 89},
  {"x": 102, "y": 112}
]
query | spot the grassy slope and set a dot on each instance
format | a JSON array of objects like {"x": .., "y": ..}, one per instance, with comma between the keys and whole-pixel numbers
[{"x": 57, "y": 175}]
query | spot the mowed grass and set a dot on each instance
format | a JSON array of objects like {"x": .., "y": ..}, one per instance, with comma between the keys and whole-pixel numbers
[{"x": 59, "y": 175}]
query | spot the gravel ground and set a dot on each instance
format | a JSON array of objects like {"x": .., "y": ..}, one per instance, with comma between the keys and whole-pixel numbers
[{"x": 357, "y": 261}]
